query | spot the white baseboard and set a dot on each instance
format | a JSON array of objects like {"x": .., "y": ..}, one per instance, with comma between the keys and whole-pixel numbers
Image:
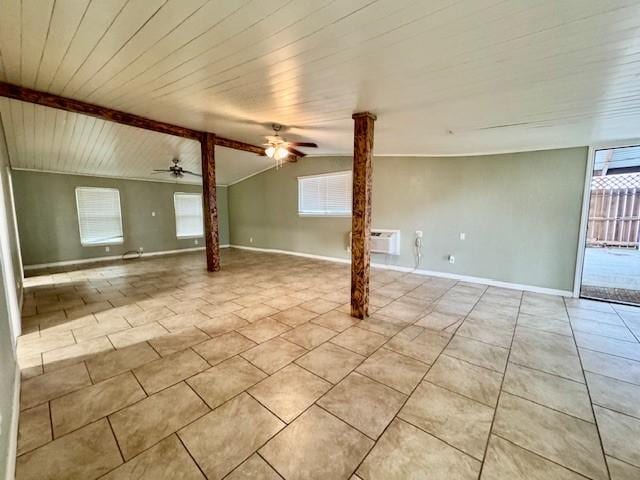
[
  {"x": 431, "y": 273},
  {"x": 112, "y": 257},
  {"x": 12, "y": 449},
  {"x": 295, "y": 254}
]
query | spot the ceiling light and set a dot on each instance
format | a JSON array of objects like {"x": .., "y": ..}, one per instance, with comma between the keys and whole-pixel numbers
[{"x": 281, "y": 153}]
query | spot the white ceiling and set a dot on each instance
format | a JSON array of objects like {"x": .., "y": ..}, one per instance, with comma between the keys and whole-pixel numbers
[
  {"x": 444, "y": 76},
  {"x": 42, "y": 138}
]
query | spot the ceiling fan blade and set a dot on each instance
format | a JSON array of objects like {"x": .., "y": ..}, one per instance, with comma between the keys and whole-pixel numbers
[
  {"x": 162, "y": 171},
  {"x": 295, "y": 152},
  {"x": 191, "y": 173},
  {"x": 304, "y": 144}
]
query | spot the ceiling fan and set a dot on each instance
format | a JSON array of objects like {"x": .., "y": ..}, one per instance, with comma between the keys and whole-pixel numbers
[
  {"x": 176, "y": 170},
  {"x": 279, "y": 148}
]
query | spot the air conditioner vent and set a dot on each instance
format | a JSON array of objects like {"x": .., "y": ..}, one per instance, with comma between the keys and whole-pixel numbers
[{"x": 384, "y": 241}]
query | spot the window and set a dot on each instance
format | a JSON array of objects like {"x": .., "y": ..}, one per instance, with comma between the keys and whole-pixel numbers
[
  {"x": 325, "y": 195},
  {"x": 189, "y": 220},
  {"x": 99, "y": 216}
]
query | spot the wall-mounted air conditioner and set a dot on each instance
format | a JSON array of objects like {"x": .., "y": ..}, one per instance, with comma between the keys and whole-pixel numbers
[{"x": 384, "y": 241}]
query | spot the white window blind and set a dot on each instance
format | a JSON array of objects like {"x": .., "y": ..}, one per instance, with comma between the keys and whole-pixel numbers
[
  {"x": 328, "y": 194},
  {"x": 189, "y": 220},
  {"x": 99, "y": 216}
]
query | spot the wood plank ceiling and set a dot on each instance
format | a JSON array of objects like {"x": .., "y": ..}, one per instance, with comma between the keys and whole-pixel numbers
[
  {"x": 444, "y": 76},
  {"x": 47, "y": 139}
]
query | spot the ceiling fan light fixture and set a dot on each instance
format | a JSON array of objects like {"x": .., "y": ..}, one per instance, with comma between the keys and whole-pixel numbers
[
  {"x": 270, "y": 151},
  {"x": 281, "y": 153}
]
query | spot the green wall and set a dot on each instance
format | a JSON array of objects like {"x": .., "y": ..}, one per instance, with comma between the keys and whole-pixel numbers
[
  {"x": 48, "y": 220},
  {"x": 520, "y": 213}
]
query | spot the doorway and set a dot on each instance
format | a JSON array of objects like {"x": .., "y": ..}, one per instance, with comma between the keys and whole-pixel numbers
[{"x": 611, "y": 254}]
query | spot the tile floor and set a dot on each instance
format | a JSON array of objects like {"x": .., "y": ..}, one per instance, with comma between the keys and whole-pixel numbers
[{"x": 154, "y": 369}]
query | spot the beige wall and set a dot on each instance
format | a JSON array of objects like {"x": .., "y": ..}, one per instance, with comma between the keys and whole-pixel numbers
[
  {"x": 48, "y": 220},
  {"x": 520, "y": 213}
]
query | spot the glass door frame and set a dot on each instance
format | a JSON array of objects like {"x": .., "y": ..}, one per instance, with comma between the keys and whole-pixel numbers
[{"x": 586, "y": 200}]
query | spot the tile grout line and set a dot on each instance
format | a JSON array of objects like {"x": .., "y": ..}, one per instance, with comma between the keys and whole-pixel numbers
[
  {"x": 540, "y": 456},
  {"x": 315, "y": 402},
  {"x": 604, "y": 407},
  {"x": 512, "y": 362},
  {"x": 353, "y": 370},
  {"x": 354, "y": 472},
  {"x": 626, "y": 462},
  {"x": 593, "y": 412},
  {"x": 115, "y": 438},
  {"x": 610, "y": 354},
  {"x": 637, "y": 337},
  {"x": 612, "y": 378},
  {"x": 504, "y": 374},
  {"x": 186, "y": 450}
]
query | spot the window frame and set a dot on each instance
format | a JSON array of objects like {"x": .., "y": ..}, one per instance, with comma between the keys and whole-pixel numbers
[
  {"x": 300, "y": 180},
  {"x": 175, "y": 215},
  {"x": 120, "y": 241}
]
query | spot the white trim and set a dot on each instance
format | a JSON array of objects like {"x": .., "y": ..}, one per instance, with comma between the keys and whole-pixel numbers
[
  {"x": 584, "y": 220},
  {"x": 295, "y": 254},
  {"x": 431, "y": 273},
  {"x": 8, "y": 275},
  {"x": 14, "y": 218},
  {"x": 326, "y": 215},
  {"x": 113, "y": 257},
  {"x": 114, "y": 177},
  {"x": 459, "y": 154},
  {"x": 325, "y": 174},
  {"x": 586, "y": 197},
  {"x": 349, "y": 155},
  {"x": 250, "y": 175},
  {"x": 13, "y": 429}
]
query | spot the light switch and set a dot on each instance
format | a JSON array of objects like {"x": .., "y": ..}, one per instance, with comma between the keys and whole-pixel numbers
[
  {"x": 463, "y": 236},
  {"x": 153, "y": 214}
]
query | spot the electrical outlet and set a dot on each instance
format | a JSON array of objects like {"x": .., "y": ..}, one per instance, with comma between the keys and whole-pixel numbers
[
  {"x": 418, "y": 233},
  {"x": 250, "y": 239},
  {"x": 153, "y": 214},
  {"x": 140, "y": 249},
  {"x": 195, "y": 241},
  {"x": 452, "y": 259},
  {"x": 107, "y": 249},
  {"x": 463, "y": 236}
]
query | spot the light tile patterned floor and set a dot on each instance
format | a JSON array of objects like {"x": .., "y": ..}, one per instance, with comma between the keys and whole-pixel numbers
[{"x": 155, "y": 369}]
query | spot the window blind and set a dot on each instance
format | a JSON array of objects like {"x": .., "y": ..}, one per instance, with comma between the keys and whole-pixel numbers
[
  {"x": 99, "y": 216},
  {"x": 189, "y": 219},
  {"x": 327, "y": 194}
]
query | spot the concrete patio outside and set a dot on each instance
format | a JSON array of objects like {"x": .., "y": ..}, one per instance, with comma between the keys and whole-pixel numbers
[{"x": 612, "y": 274}]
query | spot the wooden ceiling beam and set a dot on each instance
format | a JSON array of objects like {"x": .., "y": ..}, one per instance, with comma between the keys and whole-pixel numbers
[
  {"x": 236, "y": 145},
  {"x": 46, "y": 99}
]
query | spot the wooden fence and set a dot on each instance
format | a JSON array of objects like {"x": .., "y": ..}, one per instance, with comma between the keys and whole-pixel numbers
[{"x": 614, "y": 211}]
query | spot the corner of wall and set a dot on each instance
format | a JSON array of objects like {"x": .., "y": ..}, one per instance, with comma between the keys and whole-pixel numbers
[{"x": 12, "y": 450}]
